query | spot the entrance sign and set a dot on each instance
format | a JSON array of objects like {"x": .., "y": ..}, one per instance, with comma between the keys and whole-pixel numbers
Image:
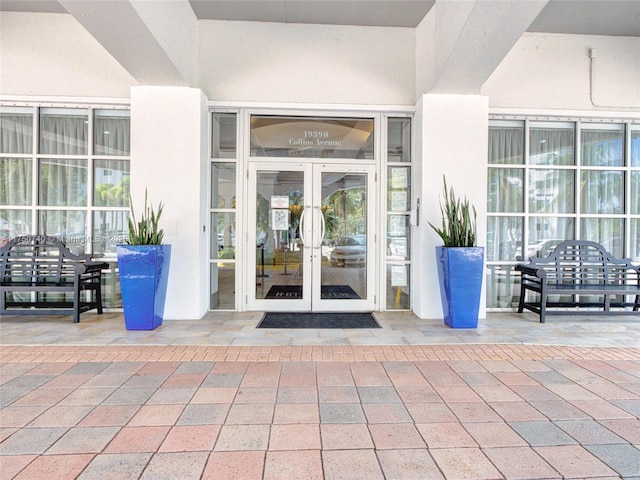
[{"x": 312, "y": 137}]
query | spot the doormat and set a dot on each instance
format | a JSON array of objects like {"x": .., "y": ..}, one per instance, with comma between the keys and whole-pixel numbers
[
  {"x": 318, "y": 320},
  {"x": 326, "y": 291}
]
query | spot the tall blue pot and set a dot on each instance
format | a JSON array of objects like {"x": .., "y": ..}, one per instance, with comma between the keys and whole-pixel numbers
[
  {"x": 144, "y": 274},
  {"x": 460, "y": 270}
]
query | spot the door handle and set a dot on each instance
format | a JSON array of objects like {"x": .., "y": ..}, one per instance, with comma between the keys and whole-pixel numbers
[
  {"x": 301, "y": 227},
  {"x": 322, "y": 228}
]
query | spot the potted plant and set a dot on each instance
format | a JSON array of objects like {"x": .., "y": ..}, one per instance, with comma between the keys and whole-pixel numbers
[
  {"x": 460, "y": 261},
  {"x": 143, "y": 264}
]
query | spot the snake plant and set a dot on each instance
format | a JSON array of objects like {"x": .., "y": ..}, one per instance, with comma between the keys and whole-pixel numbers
[
  {"x": 145, "y": 231},
  {"x": 458, "y": 220}
]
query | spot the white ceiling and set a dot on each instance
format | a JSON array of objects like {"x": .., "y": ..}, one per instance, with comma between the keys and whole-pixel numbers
[{"x": 587, "y": 17}]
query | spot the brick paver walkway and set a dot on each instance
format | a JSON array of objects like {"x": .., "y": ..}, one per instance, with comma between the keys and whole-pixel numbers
[{"x": 339, "y": 412}]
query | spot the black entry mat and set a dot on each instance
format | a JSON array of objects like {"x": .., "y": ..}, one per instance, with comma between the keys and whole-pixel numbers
[
  {"x": 326, "y": 291},
  {"x": 318, "y": 320}
]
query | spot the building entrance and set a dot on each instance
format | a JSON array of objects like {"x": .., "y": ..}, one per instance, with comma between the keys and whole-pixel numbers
[{"x": 313, "y": 226}]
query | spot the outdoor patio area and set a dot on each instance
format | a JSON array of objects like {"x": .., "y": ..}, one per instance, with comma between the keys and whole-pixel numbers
[
  {"x": 398, "y": 328},
  {"x": 217, "y": 398}
]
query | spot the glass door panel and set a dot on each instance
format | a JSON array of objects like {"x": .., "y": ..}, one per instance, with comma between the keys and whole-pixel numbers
[
  {"x": 277, "y": 227},
  {"x": 312, "y": 229},
  {"x": 343, "y": 251}
]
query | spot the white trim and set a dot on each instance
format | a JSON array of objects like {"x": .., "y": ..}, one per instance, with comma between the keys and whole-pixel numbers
[
  {"x": 568, "y": 115},
  {"x": 66, "y": 102},
  {"x": 310, "y": 108}
]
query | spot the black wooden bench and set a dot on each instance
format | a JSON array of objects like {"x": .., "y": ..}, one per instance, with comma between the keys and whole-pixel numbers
[
  {"x": 33, "y": 267},
  {"x": 581, "y": 274}
]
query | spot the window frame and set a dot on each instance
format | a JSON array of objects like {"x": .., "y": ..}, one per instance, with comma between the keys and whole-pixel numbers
[{"x": 628, "y": 127}]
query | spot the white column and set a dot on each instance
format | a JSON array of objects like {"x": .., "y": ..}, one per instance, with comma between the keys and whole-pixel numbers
[
  {"x": 169, "y": 160},
  {"x": 451, "y": 140}
]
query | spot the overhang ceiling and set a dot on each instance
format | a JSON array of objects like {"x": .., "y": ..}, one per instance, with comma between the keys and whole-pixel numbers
[{"x": 585, "y": 17}]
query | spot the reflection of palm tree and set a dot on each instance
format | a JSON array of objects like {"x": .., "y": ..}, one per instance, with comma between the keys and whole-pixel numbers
[
  {"x": 296, "y": 207},
  {"x": 262, "y": 214},
  {"x": 348, "y": 210},
  {"x": 330, "y": 221},
  {"x": 15, "y": 181},
  {"x": 109, "y": 195}
]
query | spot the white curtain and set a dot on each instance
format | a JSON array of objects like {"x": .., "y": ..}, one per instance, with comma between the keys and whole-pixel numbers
[
  {"x": 602, "y": 148},
  {"x": 15, "y": 181},
  {"x": 63, "y": 182},
  {"x": 602, "y": 191},
  {"x": 14, "y": 222},
  {"x": 111, "y": 183},
  {"x": 551, "y": 191},
  {"x": 16, "y": 133},
  {"x": 506, "y": 190},
  {"x": 504, "y": 233},
  {"x": 112, "y": 135},
  {"x": 68, "y": 225},
  {"x": 551, "y": 146},
  {"x": 635, "y": 240},
  {"x": 63, "y": 135},
  {"x": 635, "y": 149},
  {"x": 506, "y": 145},
  {"x": 547, "y": 232},
  {"x": 109, "y": 229}
]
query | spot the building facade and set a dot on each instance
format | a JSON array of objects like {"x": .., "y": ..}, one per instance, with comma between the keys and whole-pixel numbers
[{"x": 300, "y": 164}]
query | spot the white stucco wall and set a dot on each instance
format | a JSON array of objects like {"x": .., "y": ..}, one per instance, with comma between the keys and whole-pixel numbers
[
  {"x": 272, "y": 62},
  {"x": 552, "y": 71},
  {"x": 52, "y": 55},
  {"x": 169, "y": 159},
  {"x": 453, "y": 138}
]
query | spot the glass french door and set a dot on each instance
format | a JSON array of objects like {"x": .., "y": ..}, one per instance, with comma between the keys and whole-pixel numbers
[{"x": 312, "y": 226}]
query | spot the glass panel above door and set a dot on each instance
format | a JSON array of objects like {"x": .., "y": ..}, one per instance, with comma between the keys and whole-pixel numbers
[{"x": 312, "y": 137}]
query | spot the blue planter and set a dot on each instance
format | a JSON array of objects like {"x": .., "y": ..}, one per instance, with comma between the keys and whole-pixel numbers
[
  {"x": 460, "y": 271},
  {"x": 144, "y": 273}
]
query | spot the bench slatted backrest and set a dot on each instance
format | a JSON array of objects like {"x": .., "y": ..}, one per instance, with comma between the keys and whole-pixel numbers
[
  {"x": 585, "y": 262},
  {"x": 38, "y": 259}
]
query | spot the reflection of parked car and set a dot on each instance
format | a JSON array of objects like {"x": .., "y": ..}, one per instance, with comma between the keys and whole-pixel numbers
[
  {"x": 351, "y": 249},
  {"x": 543, "y": 249}
]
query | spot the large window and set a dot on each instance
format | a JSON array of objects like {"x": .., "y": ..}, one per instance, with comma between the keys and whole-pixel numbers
[
  {"x": 398, "y": 207},
  {"x": 222, "y": 263},
  {"x": 551, "y": 181},
  {"x": 65, "y": 172}
]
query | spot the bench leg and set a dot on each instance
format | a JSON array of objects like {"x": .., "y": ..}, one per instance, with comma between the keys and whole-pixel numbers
[
  {"x": 2, "y": 300},
  {"x": 522, "y": 295},
  {"x": 635, "y": 307},
  {"x": 607, "y": 303},
  {"x": 99, "y": 298},
  {"x": 543, "y": 305},
  {"x": 76, "y": 303}
]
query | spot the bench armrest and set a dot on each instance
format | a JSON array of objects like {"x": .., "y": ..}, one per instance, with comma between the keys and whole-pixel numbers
[
  {"x": 531, "y": 271},
  {"x": 90, "y": 267}
]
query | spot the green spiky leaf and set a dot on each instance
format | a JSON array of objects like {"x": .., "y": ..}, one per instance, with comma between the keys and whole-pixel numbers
[
  {"x": 458, "y": 220},
  {"x": 146, "y": 231}
]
